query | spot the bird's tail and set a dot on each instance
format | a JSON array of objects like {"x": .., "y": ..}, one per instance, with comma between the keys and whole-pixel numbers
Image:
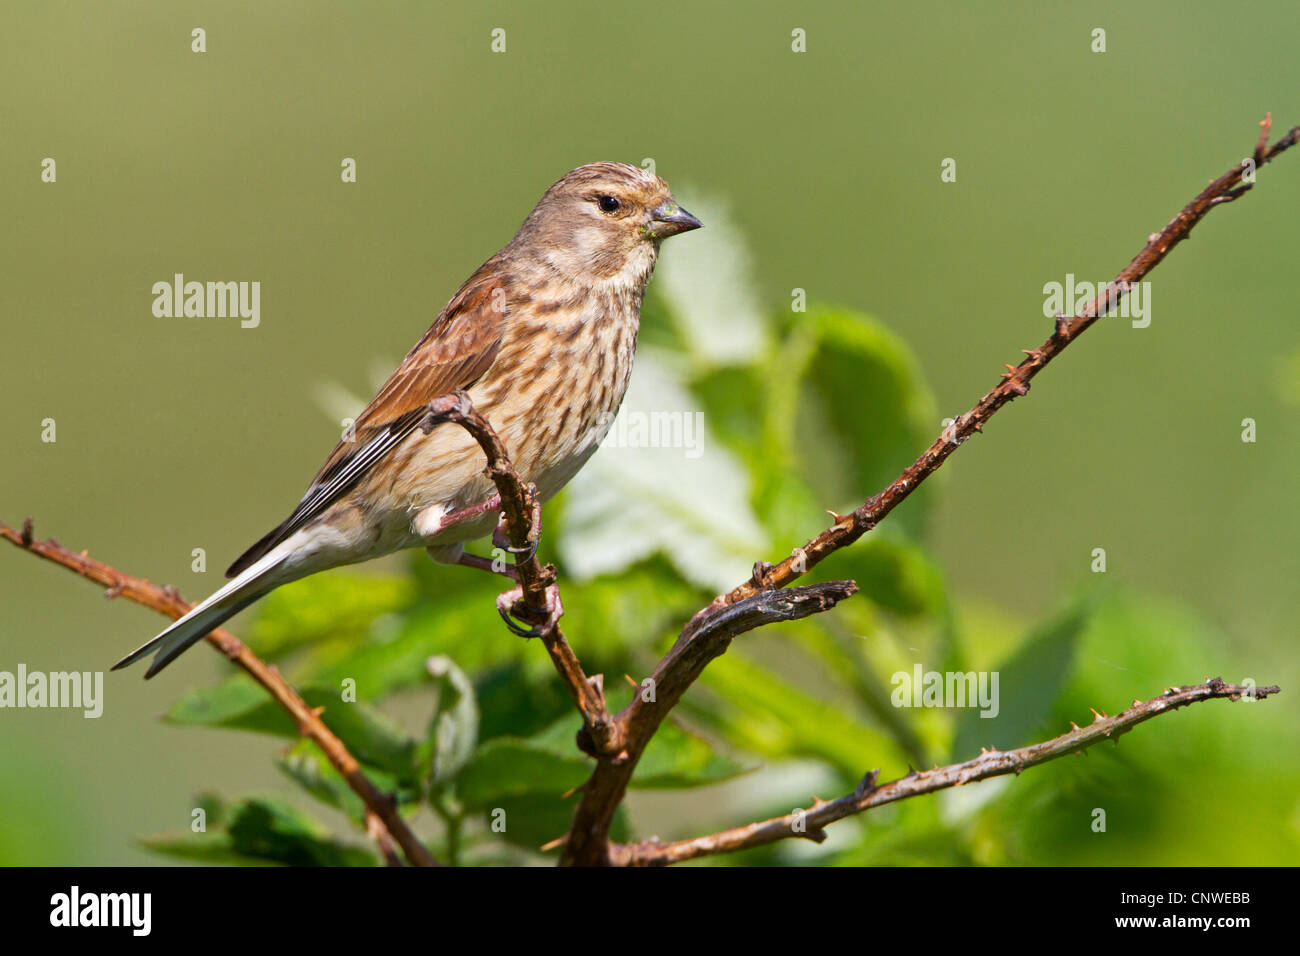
[{"x": 206, "y": 616}]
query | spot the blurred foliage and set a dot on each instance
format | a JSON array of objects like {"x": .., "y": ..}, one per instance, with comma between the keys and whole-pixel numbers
[{"x": 818, "y": 408}]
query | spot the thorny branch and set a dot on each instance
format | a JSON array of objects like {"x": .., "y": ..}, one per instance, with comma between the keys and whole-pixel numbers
[
  {"x": 587, "y": 839},
  {"x": 518, "y": 502},
  {"x": 1015, "y": 383},
  {"x": 382, "y": 817},
  {"x": 587, "y": 842},
  {"x": 810, "y": 824}
]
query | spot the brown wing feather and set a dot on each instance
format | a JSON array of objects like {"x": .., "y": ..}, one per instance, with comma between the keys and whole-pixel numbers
[{"x": 456, "y": 352}]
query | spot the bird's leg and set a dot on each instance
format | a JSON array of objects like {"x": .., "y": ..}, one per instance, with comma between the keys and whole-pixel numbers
[
  {"x": 469, "y": 513},
  {"x": 511, "y": 606},
  {"x": 494, "y": 565},
  {"x": 456, "y": 554}
]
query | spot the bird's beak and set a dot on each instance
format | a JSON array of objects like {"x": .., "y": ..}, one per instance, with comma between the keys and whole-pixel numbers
[{"x": 668, "y": 219}]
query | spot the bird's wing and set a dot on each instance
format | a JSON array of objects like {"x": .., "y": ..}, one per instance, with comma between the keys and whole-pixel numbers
[{"x": 457, "y": 350}]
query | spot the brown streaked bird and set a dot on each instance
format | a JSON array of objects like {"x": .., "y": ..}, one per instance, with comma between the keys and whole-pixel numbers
[{"x": 541, "y": 337}]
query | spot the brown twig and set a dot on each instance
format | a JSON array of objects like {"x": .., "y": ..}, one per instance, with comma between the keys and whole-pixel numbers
[
  {"x": 168, "y": 601},
  {"x": 587, "y": 842},
  {"x": 378, "y": 831},
  {"x": 810, "y": 824},
  {"x": 1015, "y": 382},
  {"x": 536, "y": 582}
]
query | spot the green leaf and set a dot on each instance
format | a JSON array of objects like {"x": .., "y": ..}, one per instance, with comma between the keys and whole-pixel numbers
[
  {"x": 372, "y": 738},
  {"x": 263, "y": 830},
  {"x": 306, "y": 766},
  {"x": 709, "y": 290},
  {"x": 729, "y": 395},
  {"x": 679, "y": 494},
  {"x": 227, "y": 705},
  {"x": 1134, "y": 647},
  {"x": 511, "y": 766},
  {"x": 1185, "y": 772},
  {"x": 791, "y": 509},
  {"x": 453, "y": 729},
  {"x": 634, "y": 609},
  {"x": 324, "y": 606},
  {"x": 549, "y": 763},
  {"x": 465, "y": 628},
  {"x": 216, "y": 848},
  {"x": 864, "y": 412},
  {"x": 765, "y": 714},
  {"x": 893, "y": 571},
  {"x": 677, "y": 758},
  {"x": 836, "y": 641},
  {"x": 521, "y": 785},
  {"x": 532, "y": 820},
  {"x": 1028, "y": 686},
  {"x": 516, "y": 701}
]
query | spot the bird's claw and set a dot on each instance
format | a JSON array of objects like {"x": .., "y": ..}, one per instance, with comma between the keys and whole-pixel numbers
[
  {"x": 501, "y": 540},
  {"x": 541, "y": 620},
  {"x": 525, "y": 553}
]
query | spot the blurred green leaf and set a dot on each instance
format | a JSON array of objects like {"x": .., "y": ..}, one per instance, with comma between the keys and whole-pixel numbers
[
  {"x": 306, "y": 766},
  {"x": 1028, "y": 686},
  {"x": 790, "y": 508},
  {"x": 213, "y": 807},
  {"x": 531, "y": 820},
  {"x": 323, "y": 606},
  {"x": 1188, "y": 772},
  {"x": 216, "y": 849},
  {"x": 768, "y": 715},
  {"x": 453, "y": 729},
  {"x": 521, "y": 785},
  {"x": 893, "y": 571},
  {"x": 615, "y": 614},
  {"x": 677, "y": 758},
  {"x": 508, "y": 767},
  {"x": 709, "y": 290},
  {"x": 864, "y": 413},
  {"x": 263, "y": 830},
  {"x": 515, "y": 701},
  {"x": 465, "y": 628},
  {"x": 841, "y": 650},
  {"x": 272, "y": 830},
  {"x": 685, "y": 497},
  {"x": 732, "y": 396},
  {"x": 372, "y": 738}
]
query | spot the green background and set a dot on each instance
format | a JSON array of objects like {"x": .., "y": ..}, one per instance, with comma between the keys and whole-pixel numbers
[{"x": 175, "y": 434}]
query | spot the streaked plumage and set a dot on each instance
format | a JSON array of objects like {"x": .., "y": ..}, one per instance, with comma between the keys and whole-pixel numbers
[{"x": 541, "y": 336}]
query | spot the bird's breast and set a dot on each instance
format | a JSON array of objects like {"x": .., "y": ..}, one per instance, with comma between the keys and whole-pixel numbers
[{"x": 560, "y": 378}]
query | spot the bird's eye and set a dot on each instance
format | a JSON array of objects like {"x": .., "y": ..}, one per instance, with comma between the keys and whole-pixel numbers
[{"x": 608, "y": 204}]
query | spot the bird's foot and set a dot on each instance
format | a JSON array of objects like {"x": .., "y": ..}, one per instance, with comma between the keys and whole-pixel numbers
[
  {"x": 501, "y": 539},
  {"x": 540, "y": 620}
]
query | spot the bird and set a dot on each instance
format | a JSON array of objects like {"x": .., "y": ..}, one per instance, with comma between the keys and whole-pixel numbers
[{"x": 541, "y": 338}]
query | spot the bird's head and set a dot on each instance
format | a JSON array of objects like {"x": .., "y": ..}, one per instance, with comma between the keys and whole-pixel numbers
[{"x": 604, "y": 221}]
